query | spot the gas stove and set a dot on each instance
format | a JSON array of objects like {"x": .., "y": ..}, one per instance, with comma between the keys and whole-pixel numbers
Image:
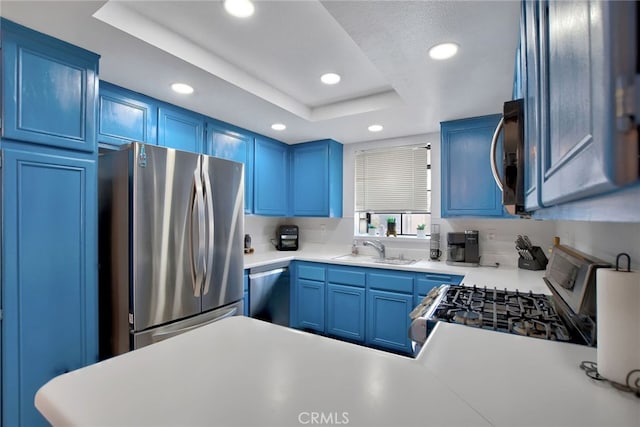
[{"x": 567, "y": 315}]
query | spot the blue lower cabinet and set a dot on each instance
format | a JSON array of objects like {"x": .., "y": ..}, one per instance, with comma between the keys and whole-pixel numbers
[
  {"x": 345, "y": 312},
  {"x": 310, "y": 305},
  {"x": 49, "y": 273},
  {"x": 388, "y": 320}
]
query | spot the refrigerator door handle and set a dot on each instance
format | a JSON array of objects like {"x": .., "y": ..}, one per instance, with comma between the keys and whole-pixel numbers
[
  {"x": 208, "y": 188},
  {"x": 197, "y": 262}
]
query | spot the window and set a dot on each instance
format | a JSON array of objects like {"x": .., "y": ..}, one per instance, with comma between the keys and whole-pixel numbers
[{"x": 393, "y": 183}]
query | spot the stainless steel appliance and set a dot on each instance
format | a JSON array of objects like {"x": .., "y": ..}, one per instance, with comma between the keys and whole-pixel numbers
[
  {"x": 171, "y": 244},
  {"x": 463, "y": 248},
  {"x": 287, "y": 238},
  {"x": 568, "y": 314},
  {"x": 269, "y": 293},
  {"x": 512, "y": 183}
]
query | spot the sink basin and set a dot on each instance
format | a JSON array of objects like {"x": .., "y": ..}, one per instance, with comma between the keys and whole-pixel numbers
[
  {"x": 396, "y": 261},
  {"x": 366, "y": 258},
  {"x": 350, "y": 257}
]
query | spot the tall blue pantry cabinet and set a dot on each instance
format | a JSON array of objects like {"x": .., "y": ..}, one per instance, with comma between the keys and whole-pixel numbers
[{"x": 49, "y": 215}]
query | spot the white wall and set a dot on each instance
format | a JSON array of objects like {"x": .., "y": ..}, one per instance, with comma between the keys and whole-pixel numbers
[{"x": 602, "y": 239}]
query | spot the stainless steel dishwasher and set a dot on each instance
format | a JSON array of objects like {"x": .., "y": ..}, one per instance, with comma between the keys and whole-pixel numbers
[{"x": 269, "y": 293}]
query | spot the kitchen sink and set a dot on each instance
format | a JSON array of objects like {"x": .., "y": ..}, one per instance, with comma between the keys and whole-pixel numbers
[
  {"x": 395, "y": 261},
  {"x": 366, "y": 258},
  {"x": 359, "y": 258}
]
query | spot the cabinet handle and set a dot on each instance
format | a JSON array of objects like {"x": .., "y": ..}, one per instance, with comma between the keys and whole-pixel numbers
[{"x": 494, "y": 145}]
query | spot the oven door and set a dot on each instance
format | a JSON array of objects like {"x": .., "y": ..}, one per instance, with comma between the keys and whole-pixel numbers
[
  {"x": 512, "y": 184},
  {"x": 421, "y": 322}
]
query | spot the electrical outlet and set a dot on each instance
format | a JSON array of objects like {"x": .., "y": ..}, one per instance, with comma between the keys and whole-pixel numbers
[
  {"x": 491, "y": 234},
  {"x": 323, "y": 228}
]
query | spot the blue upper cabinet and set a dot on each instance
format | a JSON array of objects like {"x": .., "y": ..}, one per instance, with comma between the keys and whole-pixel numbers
[
  {"x": 220, "y": 141},
  {"x": 271, "y": 178},
  {"x": 468, "y": 187},
  {"x": 517, "y": 75},
  {"x": 49, "y": 90},
  {"x": 180, "y": 129},
  {"x": 316, "y": 179},
  {"x": 49, "y": 273},
  {"x": 125, "y": 116},
  {"x": 530, "y": 59},
  {"x": 586, "y": 79}
]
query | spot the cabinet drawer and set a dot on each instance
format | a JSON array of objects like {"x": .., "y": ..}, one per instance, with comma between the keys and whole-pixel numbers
[
  {"x": 426, "y": 282},
  {"x": 311, "y": 272},
  {"x": 346, "y": 276},
  {"x": 396, "y": 282}
]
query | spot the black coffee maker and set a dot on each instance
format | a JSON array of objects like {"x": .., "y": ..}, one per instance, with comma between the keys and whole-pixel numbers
[{"x": 463, "y": 248}]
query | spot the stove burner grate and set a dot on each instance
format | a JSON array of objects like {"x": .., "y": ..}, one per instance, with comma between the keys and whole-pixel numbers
[{"x": 516, "y": 312}]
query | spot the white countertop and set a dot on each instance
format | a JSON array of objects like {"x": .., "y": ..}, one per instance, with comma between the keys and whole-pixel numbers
[
  {"x": 245, "y": 372},
  {"x": 522, "y": 381},
  {"x": 509, "y": 277}
]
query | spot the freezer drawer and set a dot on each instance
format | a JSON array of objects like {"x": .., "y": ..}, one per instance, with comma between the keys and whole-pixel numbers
[{"x": 151, "y": 336}]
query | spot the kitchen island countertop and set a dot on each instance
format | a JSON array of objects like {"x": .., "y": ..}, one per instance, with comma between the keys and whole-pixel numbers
[
  {"x": 516, "y": 381},
  {"x": 245, "y": 372}
]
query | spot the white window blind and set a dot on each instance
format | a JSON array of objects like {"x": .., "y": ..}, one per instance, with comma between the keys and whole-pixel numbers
[{"x": 393, "y": 180}]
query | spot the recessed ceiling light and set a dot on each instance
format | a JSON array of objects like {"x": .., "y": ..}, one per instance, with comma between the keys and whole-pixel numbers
[
  {"x": 443, "y": 50},
  {"x": 182, "y": 88},
  {"x": 375, "y": 128},
  {"x": 278, "y": 126},
  {"x": 330, "y": 78},
  {"x": 239, "y": 8}
]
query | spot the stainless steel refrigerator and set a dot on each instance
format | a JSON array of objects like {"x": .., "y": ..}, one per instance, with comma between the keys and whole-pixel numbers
[{"x": 171, "y": 236}]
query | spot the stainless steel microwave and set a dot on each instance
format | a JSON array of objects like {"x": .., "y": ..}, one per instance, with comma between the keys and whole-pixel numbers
[{"x": 511, "y": 179}]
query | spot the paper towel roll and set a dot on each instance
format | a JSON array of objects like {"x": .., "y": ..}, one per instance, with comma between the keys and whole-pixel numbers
[{"x": 617, "y": 323}]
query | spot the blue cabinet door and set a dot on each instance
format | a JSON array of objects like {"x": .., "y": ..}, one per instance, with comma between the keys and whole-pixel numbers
[
  {"x": 388, "y": 320},
  {"x": 468, "y": 187},
  {"x": 124, "y": 116},
  {"x": 49, "y": 89},
  {"x": 345, "y": 312},
  {"x": 180, "y": 129},
  {"x": 233, "y": 145},
  {"x": 530, "y": 44},
  {"x": 49, "y": 270},
  {"x": 310, "y": 305},
  {"x": 316, "y": 179},
  {"x": 271, "y": 178},
  {"x": 586, "y": 72}
]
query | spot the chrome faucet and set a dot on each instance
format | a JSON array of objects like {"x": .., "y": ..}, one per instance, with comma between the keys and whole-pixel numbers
[{"x": 378, "y": 246}]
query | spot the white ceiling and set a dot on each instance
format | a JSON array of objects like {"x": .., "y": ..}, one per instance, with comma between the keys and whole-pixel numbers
[{"x": 265, "y": 69}]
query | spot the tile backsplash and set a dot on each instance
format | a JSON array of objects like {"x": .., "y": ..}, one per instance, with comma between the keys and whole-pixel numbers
[{"x": 603, "y": 240}]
